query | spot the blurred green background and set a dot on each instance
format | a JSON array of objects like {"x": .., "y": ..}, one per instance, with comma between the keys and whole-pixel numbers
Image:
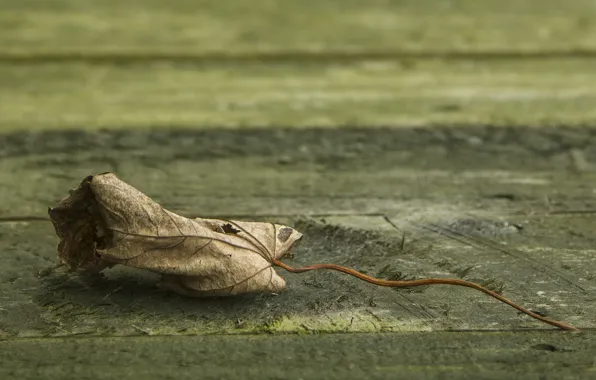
[{"x": 137, "y": 64}]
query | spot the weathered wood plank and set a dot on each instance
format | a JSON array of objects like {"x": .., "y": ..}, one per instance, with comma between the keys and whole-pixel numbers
[
  {"x": 127, "y": 302},
  {"x": 305, "y": 172},
  {"x": 471, "y": 215},
  {"x": 324, "y": 94},
  {"x": 184, "y": 26},
  {"x": 335, "y": 356}
]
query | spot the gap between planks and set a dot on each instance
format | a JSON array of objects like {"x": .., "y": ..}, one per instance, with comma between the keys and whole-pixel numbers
[
  {"x": 12, "y": 219},
  {"x": 147, "y": 336},
  {"x": 98, "y": 57},
  {"x": 386, "y": 217}
]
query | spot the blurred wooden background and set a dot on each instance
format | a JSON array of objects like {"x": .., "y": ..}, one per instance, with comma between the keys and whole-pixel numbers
[{"x": 134, "y": 64}]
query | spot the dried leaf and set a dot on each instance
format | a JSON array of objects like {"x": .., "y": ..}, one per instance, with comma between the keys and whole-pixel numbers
[{"x": 106, "y": 222}]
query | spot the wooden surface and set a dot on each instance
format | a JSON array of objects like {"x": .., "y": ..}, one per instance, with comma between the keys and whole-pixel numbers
[
  {"x": 362, "y": 125},
  {"x": 378, "y": 356},
  {"x": 331, "y": 94},
  {"x": 140, "y": 64},
  {"x": 197, "y": 27}
]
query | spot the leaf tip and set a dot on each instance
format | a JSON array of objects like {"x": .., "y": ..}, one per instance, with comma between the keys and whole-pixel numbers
[{"x": 76, "y": 225}]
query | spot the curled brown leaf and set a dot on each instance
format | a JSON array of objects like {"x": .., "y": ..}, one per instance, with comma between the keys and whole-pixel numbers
[{"x": 107, "y": 222}]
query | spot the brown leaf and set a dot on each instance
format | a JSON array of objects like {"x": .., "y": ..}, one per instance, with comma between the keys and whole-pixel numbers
[
  {"x": 77, "y": 225},
  {"x": 106, "y": 222}
]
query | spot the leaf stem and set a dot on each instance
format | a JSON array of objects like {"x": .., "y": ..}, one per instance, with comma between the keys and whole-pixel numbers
[{"x": 422, "y": 282}]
